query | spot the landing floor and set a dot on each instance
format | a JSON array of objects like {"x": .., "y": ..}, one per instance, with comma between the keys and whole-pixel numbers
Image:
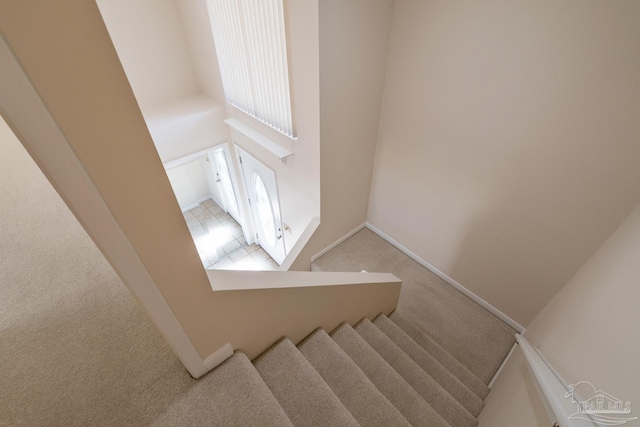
[{"x": 473, "y": 335}]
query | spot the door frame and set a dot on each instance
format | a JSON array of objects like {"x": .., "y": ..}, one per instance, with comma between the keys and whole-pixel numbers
[
  {"x": 249, "y": 207},
  {"x": 232, "y": 176}
]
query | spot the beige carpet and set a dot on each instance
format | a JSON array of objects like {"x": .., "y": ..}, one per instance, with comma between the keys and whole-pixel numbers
[
  {"x": 76, "y": 348},
  {"x": 470, "y": 333}
]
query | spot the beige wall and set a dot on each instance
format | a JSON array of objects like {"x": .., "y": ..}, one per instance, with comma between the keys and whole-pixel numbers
[
  {"x": 195, "y": 19},
  {"x": 508, "y": 142},
  {"x": 354, "y": 39},
  {"x": 153, "y": 48},
  {"x": 67, "y": 55},
  {"x": 588, "y": 331}
]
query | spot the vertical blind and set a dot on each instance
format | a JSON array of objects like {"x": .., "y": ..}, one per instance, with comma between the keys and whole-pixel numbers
[{"x": 252, "y": 53}]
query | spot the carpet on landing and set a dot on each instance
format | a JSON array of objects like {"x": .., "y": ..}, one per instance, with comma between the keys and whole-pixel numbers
[{"x": 473, "y": 335}]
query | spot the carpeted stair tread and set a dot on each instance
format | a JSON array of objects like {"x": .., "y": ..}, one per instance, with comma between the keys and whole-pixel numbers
[
  {"x": 410, "y": 404},
  {"x": 303, "y": 394},
  {"x": 432, "y": 392},
  {"x": 233, "y": 394},
  {"x": 430, "y": 365},
  {"x": 365, "y": 402},
  {"x": 445, "y": 358}
]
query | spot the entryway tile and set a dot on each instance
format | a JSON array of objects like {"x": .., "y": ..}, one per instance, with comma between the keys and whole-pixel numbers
[{"x": 220, "y": 241}]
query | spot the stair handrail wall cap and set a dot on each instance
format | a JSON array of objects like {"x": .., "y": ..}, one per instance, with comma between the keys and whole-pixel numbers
[
  {"x": 302, "y": 241},
  {"x": 230, "y": 280},
  {"x": 566, "y": 403}
]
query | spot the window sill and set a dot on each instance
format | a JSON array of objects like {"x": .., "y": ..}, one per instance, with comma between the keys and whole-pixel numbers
[{"x": 270, "y": 145}]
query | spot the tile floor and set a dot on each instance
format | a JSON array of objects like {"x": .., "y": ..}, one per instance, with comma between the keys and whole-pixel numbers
[{"x": 220, "y": 242}]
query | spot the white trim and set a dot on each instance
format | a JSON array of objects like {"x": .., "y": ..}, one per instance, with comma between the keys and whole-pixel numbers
[
  {"x": 220, "y": 204},
  {"x": 27, "y": 115},
  {"x": 205, "y": 198},
  {"x": 218, "y": 356},
  {"x": 270, "y": 145},
  {"x": 300, "y": 244},
  {"x": 337, "y": 242},
  {"x": 240, "y": 186},
  {"x": 551, "y": 387},
  {"x": 199, "y": 202},
  {"x": 232, "y": 166},
  {"x": 189, "y": 207},
  {"x": 499, "y": 314},
  {"x": 188, "y": 158},
  {"x": 502, "y": 365}
]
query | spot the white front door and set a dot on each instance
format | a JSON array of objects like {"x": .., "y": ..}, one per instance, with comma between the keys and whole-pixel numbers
[
  {"x": 220, "y": 163},
  {"x": 260, "y": 183}
]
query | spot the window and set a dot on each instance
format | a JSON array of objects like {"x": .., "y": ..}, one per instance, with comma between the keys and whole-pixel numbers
[{"x": 252, "y": 52}]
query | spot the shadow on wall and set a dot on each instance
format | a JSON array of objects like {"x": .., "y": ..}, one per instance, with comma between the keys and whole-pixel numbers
[
  {"x": 507, "y": 148},
  {"x": 542, "y": 226}
]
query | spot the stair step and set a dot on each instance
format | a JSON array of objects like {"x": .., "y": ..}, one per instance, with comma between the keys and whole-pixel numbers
[
  {"x": 430, "y": 365},
  {"x": 315, "y": 267},
  {"x": 410, "y": 404},
  {"x": 367, "y": 405},
  {"x": 443, "y": 356},
  {"x": 445, "y": 404},
  {"x": 233, "y": 394},
  {"x": 303, "y": 394}
]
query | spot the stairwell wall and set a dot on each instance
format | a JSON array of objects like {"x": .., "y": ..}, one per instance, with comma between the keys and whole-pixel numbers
[
  {"x": 507, "y": 150},
  {"x": 588, "y": 332},
  {"x": 153, "y": 49},
  {"x": 354, "y": 40}
]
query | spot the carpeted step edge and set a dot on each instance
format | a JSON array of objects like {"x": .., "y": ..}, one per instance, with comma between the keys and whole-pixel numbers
[
  {"x": 432, "y": 392},
  {"x": 430, "y": 365},
  {"x": 410, "y": 404},
  {"x": 365, "y": 402},
  {"x": 452, "y": 364},
  {"x": 241, "y": 399},
  {"x": 303, "y": 394}
]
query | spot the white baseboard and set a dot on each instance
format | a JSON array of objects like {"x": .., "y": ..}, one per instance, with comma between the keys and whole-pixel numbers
[
  {"x": 189, "y": 207},
  {"x": 337, "y": 242},
  {"x": 200, "y": 200},
  {"x": 218, "y": 356},
  {"x": 499, "y": 314},
  {"x": 502, "y": 365}
]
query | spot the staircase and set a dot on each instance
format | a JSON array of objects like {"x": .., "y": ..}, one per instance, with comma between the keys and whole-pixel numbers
[
  {"x": 426, "y": 364},
  {"x": 385, "y": 372}
]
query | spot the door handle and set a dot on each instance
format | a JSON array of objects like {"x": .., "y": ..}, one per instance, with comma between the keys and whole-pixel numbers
[{"x": 280, "y": 235}]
